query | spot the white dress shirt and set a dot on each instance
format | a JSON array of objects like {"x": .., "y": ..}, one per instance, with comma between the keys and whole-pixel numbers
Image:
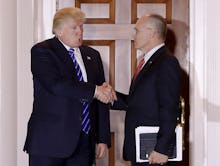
[
  {"x": 79, "y": 60},
  {"x": 151, "y": 52}
]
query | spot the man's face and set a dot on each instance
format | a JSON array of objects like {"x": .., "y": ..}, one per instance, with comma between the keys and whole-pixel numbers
[
  {"x": 142, "y": 35},
  {"x": 71, "y": 33}
]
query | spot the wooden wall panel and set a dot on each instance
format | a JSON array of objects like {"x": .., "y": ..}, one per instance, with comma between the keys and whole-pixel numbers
[
  {"x": 168, "y": 4},
  {"x": 110, "y": 20},
  {"x": 111, "y": 45}
]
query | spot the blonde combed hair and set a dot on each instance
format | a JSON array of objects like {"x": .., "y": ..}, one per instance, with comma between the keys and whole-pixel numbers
[{"x": 66, "y": 14}]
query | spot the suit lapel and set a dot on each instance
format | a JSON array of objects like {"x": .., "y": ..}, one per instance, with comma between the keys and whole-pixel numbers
[
  {"x": 87, "y": 59},
  {"x": 146, "y": 69},
  {"x": 62, "y": 54}
]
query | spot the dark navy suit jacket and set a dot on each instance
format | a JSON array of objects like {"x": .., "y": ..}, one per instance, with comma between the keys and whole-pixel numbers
[
  {"x": 55, "y": 123},
  {"x": 152, "y": 101}
]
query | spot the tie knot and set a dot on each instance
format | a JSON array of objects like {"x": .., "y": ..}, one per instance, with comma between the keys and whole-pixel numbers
[
  {"x": 139, "y": 67},
  {"x": 141, "y": 63},
  {"x": 71, "y": 51}
]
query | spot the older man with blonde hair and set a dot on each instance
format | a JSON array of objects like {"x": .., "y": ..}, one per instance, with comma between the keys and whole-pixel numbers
[{"x": 70, "y": 112}]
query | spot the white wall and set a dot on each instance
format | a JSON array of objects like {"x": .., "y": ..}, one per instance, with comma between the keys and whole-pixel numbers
[
  {"x": 212, "y": 101},
  {"x": 16, "y": 38},
  {"x": 204, "y": 82},
  {"x": 25, "y": 40},
  {"x": 8, "y": 85}
]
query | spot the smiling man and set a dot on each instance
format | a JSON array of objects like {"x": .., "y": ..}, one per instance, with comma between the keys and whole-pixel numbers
[{"x": 70, "y": 115}]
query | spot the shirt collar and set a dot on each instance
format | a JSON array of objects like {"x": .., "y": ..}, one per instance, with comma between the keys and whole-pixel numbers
[
  {"x": 152, "y": 51},
  {"x": 68, "y": 47}
]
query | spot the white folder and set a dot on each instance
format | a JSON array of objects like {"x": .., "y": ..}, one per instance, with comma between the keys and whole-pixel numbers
[{"x": 145, "y": 137}]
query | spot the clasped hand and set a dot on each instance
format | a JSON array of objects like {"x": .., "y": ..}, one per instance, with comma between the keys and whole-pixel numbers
[
  {"x": 105, "y": 93},
  {"x": 157, "y": 158}
]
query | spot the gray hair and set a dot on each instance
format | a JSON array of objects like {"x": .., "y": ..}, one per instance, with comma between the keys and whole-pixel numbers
[{"x": 158, "y": 23}]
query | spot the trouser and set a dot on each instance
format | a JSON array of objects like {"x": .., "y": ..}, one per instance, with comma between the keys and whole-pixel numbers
[{"x": 82, "y": 156}]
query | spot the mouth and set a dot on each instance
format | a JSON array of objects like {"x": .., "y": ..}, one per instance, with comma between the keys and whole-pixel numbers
[{"x": 80, "y": 40}]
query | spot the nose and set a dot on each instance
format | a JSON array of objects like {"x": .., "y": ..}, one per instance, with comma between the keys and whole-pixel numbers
[
  {"x": 78, "y": 30},
  {"x": 133, "y": 36}
]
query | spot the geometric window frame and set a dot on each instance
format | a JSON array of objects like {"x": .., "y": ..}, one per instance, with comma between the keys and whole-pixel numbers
[
  {"x": 168, "y": 4},
  {"x": 111, "y": 45},
  {"x": 110, "y": 20}
]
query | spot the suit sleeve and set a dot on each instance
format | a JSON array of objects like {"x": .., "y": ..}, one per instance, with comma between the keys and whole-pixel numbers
[
  {"x": 104, "y": 135},
  {"x": 46, "y": 72},
  {"x": 168, "y": 90},
  {"x": 121, "y": 102}
]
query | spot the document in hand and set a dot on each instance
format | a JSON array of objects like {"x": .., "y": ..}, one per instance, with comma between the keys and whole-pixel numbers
[{"x": 146, "y": 138}]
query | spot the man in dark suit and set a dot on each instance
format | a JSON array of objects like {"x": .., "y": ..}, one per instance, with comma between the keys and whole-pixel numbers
[
  {"x": 154, "y": 91},
  {"x": 68, "y": 118}
]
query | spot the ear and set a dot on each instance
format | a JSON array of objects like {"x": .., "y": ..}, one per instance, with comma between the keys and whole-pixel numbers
[
  {"x": 153, "y": 34},
  {"x": 58, "y": 31}
]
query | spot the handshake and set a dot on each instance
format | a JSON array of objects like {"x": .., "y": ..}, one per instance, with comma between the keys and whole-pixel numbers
[{"x": 105, "y": 93}]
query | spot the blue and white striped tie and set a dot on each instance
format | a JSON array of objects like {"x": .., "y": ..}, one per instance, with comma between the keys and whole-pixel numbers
[{"x": 85, "y": 115}]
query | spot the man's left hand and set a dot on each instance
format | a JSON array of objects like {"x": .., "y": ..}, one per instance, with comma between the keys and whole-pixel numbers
[
  {"x": 157, "y": 158},
  {"x": 101, "y": 150}
]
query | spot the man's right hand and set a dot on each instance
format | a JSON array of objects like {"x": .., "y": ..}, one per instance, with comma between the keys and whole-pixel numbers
[{"x": 105, "y": 93}]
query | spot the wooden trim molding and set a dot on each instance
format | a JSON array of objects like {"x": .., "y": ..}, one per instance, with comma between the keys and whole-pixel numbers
[
  {"x": 110, "y": 20},
  {"x": 134, "y": 9},
  {"x": 111, "y": 44},
  {"x": 111, "y": 159}
]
